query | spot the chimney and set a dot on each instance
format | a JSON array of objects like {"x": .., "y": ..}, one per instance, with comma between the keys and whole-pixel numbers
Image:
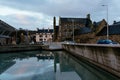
[
  {"x": 114, "y": 22},
  {"x": 88, "y": 16},
  {"x": 54, "y": 22}
]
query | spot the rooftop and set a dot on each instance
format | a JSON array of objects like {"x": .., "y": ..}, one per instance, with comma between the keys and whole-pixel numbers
[
  {"x": 83, "y": 30},
  {"x": 79, "y": 20},
  {"x": 113, "y": 30},
  {"x": 45, "y": 30}
]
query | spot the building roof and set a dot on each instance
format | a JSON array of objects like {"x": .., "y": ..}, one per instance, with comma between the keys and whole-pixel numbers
[
  {"x": 79, "y": 20},
  {"x": 4, "y": 36},
  {"x": 96, "y": 24},
  {"x": 45, "y": 30},
  {"x": 113, "y": 30},
  {"x": 5, "y": 26},
  {"x": 5, "y": 29},
  {"x": 116, "y": 23},
  {"x": 83, "y": 30}
]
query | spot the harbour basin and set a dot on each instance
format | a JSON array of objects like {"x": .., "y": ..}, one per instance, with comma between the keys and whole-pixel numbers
[{"x": 48, "y": 65}]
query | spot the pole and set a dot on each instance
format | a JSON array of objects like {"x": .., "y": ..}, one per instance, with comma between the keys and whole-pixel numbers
[
  {"x": 107, "y": 22},
  {"x": 73, "y": 29},
  {"x": 16, "y": 36}
]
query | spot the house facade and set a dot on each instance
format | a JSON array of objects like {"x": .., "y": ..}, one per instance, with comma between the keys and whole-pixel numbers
[{"x": 44, "y": 35}]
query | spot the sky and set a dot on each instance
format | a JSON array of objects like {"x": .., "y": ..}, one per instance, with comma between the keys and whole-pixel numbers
[{"x": 33, "y": 14}]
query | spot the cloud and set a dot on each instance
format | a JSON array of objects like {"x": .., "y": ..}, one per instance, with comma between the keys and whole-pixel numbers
[
  {"x": 76, "y": 8},
  {"x": 40, "y": 12},
  {"x": 55, "y": 7},
  {"x": 27, "y": 22},
  {"x": 24, "y": 19}
]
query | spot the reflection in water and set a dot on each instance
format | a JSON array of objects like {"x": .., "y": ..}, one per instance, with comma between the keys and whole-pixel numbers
[
  {"x": 35, "y": 65},
  {"x": 70, "y": 68},
  {"x": 46, "y": 65}
]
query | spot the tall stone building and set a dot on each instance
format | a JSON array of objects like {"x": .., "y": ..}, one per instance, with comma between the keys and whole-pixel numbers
[
  {"x": 84, "y": 31},
  {"x": 68, "y": 26}
]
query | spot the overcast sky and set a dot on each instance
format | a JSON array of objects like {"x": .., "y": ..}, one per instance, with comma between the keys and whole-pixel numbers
[{"x": 32, "y": 14}]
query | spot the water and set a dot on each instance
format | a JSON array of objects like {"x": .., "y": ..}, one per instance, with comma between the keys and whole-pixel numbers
[{"x": 46, "y": 65}]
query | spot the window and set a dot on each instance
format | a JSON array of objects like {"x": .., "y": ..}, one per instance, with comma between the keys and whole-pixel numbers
[
  {"x": 41, "y": 35},
  {"x": 52, "y": 35},
  {"x": 46, "y": 35},
  {"x": 41, "y": 39}
]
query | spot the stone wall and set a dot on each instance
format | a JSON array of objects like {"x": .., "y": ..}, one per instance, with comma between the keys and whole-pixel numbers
[
  {"x": 91, "y": 38},
  {"x": 18, "y": 48},
  {"x": 104, "y": 56}
]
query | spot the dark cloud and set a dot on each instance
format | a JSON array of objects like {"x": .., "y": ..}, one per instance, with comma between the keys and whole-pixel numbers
[
  {"x": 54, "y": 7},
  {"x": 72, "y": 8},
  {"x": 57, "y": 7}
]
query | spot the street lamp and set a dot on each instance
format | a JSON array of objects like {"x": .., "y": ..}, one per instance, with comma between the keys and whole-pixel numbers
[
  {"x": 73, "y": 29},
  {"x": 107, "y": 21},
  {"x": 16, "y": 36}
]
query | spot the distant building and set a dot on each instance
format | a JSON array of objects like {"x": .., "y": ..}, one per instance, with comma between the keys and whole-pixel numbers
[
  {"x": 68, "y": 26},
  {"x": 114, "y": 32},
  {"x": 44, "y": 35},
  {"x": 83, "y": 35},
  {"x": 87, "y": 34},
  {"x": 33, "y": 37},
  {"x": 84, "y": 31},
  {"x": 98, "y": 26}
]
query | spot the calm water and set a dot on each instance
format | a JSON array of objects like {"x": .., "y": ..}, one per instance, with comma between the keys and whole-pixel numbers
[{"x": 46, "y": 65}]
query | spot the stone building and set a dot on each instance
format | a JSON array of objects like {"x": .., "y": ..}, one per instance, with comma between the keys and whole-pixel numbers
[
  {"x": 68, "y": 26},
  {"x": 83, "y": 35},
  {"x": 90, "y": 35},
  {"x": 82, "y": 30},
  {"x": 114, "y": 32},
  {"x": 100, "y": 32}
]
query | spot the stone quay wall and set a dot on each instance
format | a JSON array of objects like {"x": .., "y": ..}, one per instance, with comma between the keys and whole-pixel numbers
[
  {"x": 18, "y": 48},
  {"x": 106, "y": 57}
]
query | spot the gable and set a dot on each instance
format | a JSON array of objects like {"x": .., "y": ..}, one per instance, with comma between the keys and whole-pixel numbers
[{"x": 113, "y": 30}]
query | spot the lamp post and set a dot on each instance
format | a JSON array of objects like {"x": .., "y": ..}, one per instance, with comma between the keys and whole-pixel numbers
[
  {"x": 107, "y": 21},
  {"x": 16, "y": 36},
  {"x": 73, "y": 28}
]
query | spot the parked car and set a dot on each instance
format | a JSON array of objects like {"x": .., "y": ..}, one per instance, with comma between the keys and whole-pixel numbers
[{"x": 106, "y": 41}]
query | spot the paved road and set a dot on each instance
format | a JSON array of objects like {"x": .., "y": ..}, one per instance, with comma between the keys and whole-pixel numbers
[{"x": 54, "y": 45}]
